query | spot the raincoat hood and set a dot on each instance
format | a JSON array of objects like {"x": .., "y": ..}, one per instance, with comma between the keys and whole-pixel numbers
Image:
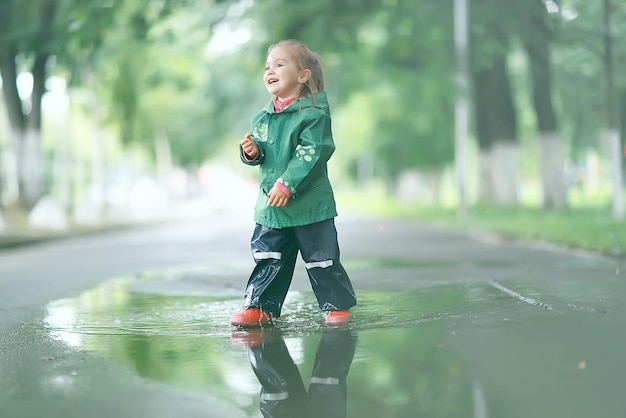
[{"x": 320, "y": 101}]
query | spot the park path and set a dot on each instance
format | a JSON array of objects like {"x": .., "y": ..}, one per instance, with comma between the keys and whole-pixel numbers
[{"x": 134, "y": 323}]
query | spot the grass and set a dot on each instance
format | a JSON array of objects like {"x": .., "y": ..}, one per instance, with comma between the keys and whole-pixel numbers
[{"x": 590, "y": 228}]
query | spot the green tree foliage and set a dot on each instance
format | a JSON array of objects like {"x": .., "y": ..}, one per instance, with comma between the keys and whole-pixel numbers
[
  {"x": 414, "y": 126},
  {"x": 400, "y": 53},
  {"x": 33, "y": 37},
  {"x": 390, "y": 69},
  {"x": 491, "y": 33},
  {"x": 580, "y": 74},
  {"x": 151, "y": 69}
]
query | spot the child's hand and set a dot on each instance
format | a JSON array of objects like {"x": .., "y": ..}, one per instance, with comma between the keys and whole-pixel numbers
[
  {"x": 250, "y": 148},
  {"x": 277, "y": 197}
]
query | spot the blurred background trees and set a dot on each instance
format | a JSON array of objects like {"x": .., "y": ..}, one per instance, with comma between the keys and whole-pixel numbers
[{"x": 99, "y": 95}]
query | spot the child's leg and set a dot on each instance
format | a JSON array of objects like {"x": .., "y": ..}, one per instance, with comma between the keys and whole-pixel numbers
[
  {"x": 282, "y": 392},
  {"x": 328, "y": 391},
  {"x": 274, "y": 252},
  {"x": 320, "y": 252}
]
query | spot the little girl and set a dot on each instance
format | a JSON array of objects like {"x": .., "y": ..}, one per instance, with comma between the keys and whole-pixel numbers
[{"x": 291, "y": 141}]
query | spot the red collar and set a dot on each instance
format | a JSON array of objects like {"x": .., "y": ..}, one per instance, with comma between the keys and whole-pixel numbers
[{"x": 279, "y": 105}]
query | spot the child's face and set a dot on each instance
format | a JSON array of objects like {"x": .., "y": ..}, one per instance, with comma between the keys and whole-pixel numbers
[{"x": 283, "y": 78}]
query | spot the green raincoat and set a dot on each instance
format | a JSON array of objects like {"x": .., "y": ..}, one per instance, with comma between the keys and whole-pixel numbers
[{"x": 294, "y": 147}]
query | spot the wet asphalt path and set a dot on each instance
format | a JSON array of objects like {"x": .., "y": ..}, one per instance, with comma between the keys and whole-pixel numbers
[{"x": 449, "y": 324}]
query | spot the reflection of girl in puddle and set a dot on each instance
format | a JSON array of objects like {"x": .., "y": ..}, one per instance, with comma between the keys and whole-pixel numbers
[{"x": 283, "y": 394}]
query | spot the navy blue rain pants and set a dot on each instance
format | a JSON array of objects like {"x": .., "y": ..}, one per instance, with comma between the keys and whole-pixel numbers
[
  {"x": 283, "y": 394},
  {"x": 275, "y": 251}
]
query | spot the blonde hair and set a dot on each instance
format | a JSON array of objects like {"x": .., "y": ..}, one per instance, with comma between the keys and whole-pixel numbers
[{"x": 306, "y": 60}]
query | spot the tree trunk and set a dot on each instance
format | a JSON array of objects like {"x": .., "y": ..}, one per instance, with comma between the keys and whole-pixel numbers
[
  {"x": 494, "y": 109},
  {"x": 13, "y": 103},
  {"x": 486, "y": 191},
  {"x": 2, "y": 172},
  {"x": 64, "y": 171},
  {"x": 486, "y": 188},
  {"x": 622, "y": 119},
  {"x": 163, "y": 156},
  {"x": 98, "y": 162},
  {"x": 30, "y": 162},
  {"x": 26, "y": 127},
  {"x": 8, "y": 71},
  {"x": 461, "y": 113},
  {"x": 612, "y": 131},
  {"x": 496, "y": 126},
  {"x": 30, "y": 170},
  {"x": 433, "y": 178},
  {"x": 12, "y": 100},
  {"x": 551, "y": 165},
  {"x": 551, "y": 147},
  {"x": 504, "y": 174}
]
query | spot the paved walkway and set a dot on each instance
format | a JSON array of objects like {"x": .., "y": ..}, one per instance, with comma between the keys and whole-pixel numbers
[{"x": 100, "y": 325}]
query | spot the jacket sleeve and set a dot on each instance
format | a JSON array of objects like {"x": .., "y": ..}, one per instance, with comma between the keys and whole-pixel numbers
[
  {"x": 315, "y": 147},
  {"x": 259, "y": 158}
]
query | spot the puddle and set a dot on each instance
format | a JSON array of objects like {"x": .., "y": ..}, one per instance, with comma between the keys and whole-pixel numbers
[
  {"x": 449, "y": 351},
  {"x": 156, "y": 306}
]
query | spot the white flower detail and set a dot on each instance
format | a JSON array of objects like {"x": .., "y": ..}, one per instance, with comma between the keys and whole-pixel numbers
[
  {"x": 303, "y": 150},
  {"x": 260, "y": 132}
]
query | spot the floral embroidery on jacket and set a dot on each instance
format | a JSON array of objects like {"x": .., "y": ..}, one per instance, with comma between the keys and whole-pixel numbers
[
  {"x": 304, "y": 152},
  {"x": 260, "y": 132}
]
